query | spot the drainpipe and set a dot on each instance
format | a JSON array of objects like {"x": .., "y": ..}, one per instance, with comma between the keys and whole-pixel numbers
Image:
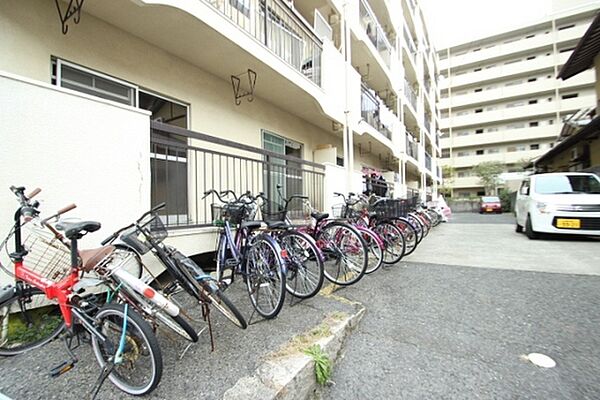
[{"x": 348, "y": 138}]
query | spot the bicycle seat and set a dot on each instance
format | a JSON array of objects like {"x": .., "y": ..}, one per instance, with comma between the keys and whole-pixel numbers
[
  {"x": 251, "y": 225},
  {"x": 90, "y": 258},
  {"x": 277, "y": 224},
  {"x": 73, "y": 230},
  {"x": 319, "y": 216}
]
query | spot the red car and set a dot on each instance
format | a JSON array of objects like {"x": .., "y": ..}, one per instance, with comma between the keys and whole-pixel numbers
[{"x": 490, "y": 204}]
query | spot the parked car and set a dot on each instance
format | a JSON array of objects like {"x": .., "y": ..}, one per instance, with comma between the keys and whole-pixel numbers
[
  {"x": 565, "y": 202},
  {"x": 490, "y": 204}
]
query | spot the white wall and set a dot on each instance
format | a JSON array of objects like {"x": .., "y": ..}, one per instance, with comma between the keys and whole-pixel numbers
[{"x": 77, "y": 149}]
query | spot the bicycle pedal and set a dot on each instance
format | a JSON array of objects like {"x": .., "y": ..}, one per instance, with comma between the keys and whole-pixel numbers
[{"x": 62, "y": 368}]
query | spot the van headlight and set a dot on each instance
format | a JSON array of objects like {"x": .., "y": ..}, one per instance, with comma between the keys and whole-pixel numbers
[{"x": 545, "y": 208}]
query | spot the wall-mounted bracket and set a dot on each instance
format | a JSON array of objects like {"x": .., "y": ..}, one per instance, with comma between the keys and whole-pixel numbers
[
  {"x": 238, "y": 91},
  {"x": 73, "y": 11}
]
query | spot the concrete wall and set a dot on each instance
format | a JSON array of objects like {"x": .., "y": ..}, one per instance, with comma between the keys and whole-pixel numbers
[{"x": 77, "y": 149}]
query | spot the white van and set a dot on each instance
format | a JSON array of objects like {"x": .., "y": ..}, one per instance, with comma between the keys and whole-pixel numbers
[{"x": 565, "y": 202}]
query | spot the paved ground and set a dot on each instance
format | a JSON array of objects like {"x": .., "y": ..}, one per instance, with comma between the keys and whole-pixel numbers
[
  {"x": 200, "y": 374},
  {"x": 434, "y": 330}
]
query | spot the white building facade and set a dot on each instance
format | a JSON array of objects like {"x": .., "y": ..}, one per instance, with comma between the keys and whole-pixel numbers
[
  {"x": 145, "y": 101},
  {"x": 501, "y": 100}
]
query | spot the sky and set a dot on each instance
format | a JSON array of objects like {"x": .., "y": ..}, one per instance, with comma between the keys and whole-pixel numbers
[{"x": 452, "y": 22}]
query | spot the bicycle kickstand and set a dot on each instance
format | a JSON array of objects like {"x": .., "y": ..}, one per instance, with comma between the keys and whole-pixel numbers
[
  {"x": 206, "y": 316},
  {"x": 67, "y": 365},
  {"x": 106, "y": 370}
]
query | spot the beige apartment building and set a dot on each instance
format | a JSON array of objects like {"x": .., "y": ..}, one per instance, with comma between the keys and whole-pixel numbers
[
  {"x": 121, "y": 104},
  {"x": 502, "y": 101}
]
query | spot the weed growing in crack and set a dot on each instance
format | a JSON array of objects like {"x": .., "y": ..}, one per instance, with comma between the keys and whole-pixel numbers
[{"x": 323, "y": 366}]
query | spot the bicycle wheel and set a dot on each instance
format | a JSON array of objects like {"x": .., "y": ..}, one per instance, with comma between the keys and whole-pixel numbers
[
  {"x": 141, "y": 367},
  {"x": 265, "y": 277},
  {"x": 426, "y": 223},
  {"x": 345, "y": 253},
  {"x": 376, "y": 250},
  {"x": 305, "y": 274},
  {"x": 409, "y": 233},
  {"x": 393, "y": 240},
  {"x": 418, "y": 225},
  {"x": 219, "y": 301},
  {"x": 28, "y": 320}
]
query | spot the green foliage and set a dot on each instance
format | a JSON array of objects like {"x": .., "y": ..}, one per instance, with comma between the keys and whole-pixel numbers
[
  {"x": 323, "y": 367},
  {"x": 42, "y": 326},
  {"x": 506, "y": 199},
  {"x": 447, "y": 180},
  {"x": 489, "y": 174}
]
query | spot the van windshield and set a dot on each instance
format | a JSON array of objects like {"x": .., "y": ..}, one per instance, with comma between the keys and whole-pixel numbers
[{"x": 567, "y": 184}]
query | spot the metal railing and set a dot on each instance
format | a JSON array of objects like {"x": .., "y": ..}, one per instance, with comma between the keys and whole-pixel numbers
[
  {"x": 274, "y": 24},
  {"x": 427, "y": 85},
  {"x": 427, "y": 124},
  {"x": 410, "y": 43},
  {"x": 411, "y": 148},
  {"x": 370, "y": 109},
  {"x": 428, "y": 161},
  {"x": 375, "y": 32},
  {"x": 410, "y": 94},
  {"x": 185, "y": 164}
]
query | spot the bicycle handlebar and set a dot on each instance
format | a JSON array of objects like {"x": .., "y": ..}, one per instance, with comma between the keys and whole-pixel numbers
[{"x": 115, "y": 235}]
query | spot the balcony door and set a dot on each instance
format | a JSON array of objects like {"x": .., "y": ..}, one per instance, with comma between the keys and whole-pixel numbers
[{"x": 280, "y": 171}]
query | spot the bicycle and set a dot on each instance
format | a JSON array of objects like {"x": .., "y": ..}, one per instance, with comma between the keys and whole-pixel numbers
[
  {"x": 145, "y": 235},
  {"x": 304, "y": 261},
  {"x": 345, "y": 252},
  {"x": 122, "y": 341},
  {"x": 257, "y": 257}
]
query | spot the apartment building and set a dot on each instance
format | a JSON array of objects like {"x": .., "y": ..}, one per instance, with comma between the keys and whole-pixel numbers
[
  {"x": 120, "y": 104},
  {"x": 501, "y": 100}
]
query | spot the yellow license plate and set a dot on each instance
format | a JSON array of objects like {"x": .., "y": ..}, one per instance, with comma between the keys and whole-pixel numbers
[
  {"x": 488, "y": 209},
  {"x": 568, "y": 223}
]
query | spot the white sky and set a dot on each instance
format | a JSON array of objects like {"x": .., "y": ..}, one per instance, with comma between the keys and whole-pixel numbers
[{"x": 452, "y": 22}]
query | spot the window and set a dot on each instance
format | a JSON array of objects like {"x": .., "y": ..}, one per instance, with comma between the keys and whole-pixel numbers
[
  {"x": 532, "y": 102},
  {"x": 490, "y": 66},
  {"x": 490, "y": 108},
  {"x": 530, "y": 36},
  {"x": 534, "y": 146},
  {"x": 81, "y": 79},
  {"x": 477, "y": 49},
  {"x": 445, "y": 153},
  {"x": 531, "y": 79},
  {"x": 534, "y": 124},
  {"x": 464, "y": 194},
  {"x": 339, "y": 161},
  {"x": 569, "y": 96},
  {"x": 562, "y": 28},
  {"x": 477, "y": 69},
  {"x": 530, "y": 58},
  {"x": 462, "y": 154},
  {"x": 515, "y": 104},
  {"x": 242, "y": 6},
  {"x": 478, "y": 90},
  {"x": 462, "y": 133},
  {"x": 462, "y": 113},
  {"x": 492, "y": 129},
  {"x": 478, "y": 131},
  {"x": 480, "y": 193},
  {"x": 551, "y": 122},
  {"x": 512, "y": 149},
  {"x": 493, "y": 151},
  {"x": 478, "y": 110},
  {"x": 479, "y": 152},
  {"x": 516, "y": 125}
]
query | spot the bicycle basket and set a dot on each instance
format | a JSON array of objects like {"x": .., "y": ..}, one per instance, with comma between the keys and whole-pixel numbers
[
  {"x": 135, "y": 238},
  {"x": 235, "y": 212},
  {"x": 216, "y": 211},
  {"x": 272, "y": 212},
  {"x": 390, "y": 208},
  {"x": 338, "y": 211},
  {"x": 46, "y": 255}
]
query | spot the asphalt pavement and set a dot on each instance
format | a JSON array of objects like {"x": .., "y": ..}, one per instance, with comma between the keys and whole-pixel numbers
[{"x": 440, "y": 331}]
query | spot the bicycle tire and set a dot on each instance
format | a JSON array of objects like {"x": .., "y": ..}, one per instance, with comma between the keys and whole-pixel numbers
[
  {"x": 394, "y": 243},
  {"x": 410, "y": 235},
  {"x": 332, "y": 252},
  {"x": 12, "y": 329},
  {"x": 259, "y": 272},
  {"x": 304, "y": 264},
  {"x": 418, "y": 225},
  {"x": 376, "y": 251},
  {"x": 141, "y": 342},
  {"x": 225, "y": 307}
]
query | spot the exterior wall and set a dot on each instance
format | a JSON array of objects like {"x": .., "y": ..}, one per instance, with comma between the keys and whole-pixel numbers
[{"x": 59, "y": 140}]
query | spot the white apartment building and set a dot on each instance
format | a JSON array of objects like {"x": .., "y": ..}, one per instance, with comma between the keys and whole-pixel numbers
[
  {"x": 501, "y": 100},
  {"x": 120, "y": 104}
]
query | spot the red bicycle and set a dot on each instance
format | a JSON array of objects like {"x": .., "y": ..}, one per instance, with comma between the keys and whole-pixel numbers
[{"x": 46, "y": 272}]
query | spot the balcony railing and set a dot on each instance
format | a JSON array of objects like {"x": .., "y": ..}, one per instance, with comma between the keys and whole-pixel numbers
[
  {"x": 375, "y": 32},
  {"x": 370, "y": 109},
  {"x": 412, "y": 148},
  {"x": 427, "y": 124},
  {"x": 410, "y": 94},
  {"x": 427, "y": 86},
  {"x": 379, "y": 186},
  {"x": 427, "y": 161},
  {"x": 275, "y": 25},
  {"x": 410, "y": 43},
  {"x": 185, "y": 164}
]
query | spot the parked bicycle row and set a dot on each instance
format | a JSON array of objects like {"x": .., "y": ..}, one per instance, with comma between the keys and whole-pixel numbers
[{"x": 108, "y": 296}]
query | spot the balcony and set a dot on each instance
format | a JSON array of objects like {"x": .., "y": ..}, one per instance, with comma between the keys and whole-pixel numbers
[
  {"x": 410, "y": 95},
  {"x": 503, "y": 136},
  {"x": 375, "y": 32},
  {"x": 427, "y": 124},
  {"x": 412, "y": 49},
  {"x": 371, "y": 108},
  {"x": 412, "y": 149},
  {"x": 503, "y": 157},
  {"x": 428, "y": 161},
  {"x": 277, "y": 27}
]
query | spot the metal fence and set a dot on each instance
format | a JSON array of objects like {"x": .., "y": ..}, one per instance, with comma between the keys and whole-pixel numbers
[
  {"x": 412, "y": 49},
  {"x": 185, "y": 164},
  {"x": 428, "y": 161},
  {"x": 275, "y": 25},
  {"x": 411, "y": 148},
  {"x": 410, "y": 94}
]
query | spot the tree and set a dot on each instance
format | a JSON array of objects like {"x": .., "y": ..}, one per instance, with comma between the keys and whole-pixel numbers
[
  {"x": 447, "y": 180},
  {"x": 489, "y": 175}
]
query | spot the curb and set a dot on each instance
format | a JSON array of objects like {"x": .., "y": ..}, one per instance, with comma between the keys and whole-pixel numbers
[{"x": 292, "y": 376}]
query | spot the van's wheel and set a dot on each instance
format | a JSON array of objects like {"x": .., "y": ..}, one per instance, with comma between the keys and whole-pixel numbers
[
  {"x": 518, "y": 228},
  {"x": 531, "y": 234}
]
